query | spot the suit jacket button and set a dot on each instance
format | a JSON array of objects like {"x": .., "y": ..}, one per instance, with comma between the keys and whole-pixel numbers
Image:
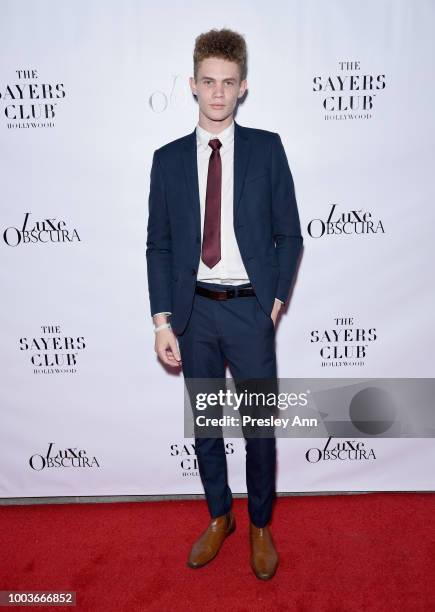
[{"x": 193, "y": 271}]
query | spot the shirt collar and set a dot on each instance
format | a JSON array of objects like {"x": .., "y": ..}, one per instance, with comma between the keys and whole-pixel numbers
[{"x": 226, "y": 136}]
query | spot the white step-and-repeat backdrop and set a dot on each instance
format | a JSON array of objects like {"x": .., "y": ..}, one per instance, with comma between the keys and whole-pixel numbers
[{"x": 88, "y": 90}]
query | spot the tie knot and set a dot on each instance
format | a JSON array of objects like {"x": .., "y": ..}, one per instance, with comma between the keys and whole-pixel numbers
[{"x": 215, "y": 144}]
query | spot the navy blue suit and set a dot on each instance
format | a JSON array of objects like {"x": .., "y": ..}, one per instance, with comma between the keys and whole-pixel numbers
[
  {"x": 266, "y": 221},
  {"x": 237, "y": 331}
]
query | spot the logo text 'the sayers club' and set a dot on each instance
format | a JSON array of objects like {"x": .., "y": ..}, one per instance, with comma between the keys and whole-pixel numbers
[
  {"x": 351, "y": 95},
  {"x": 186, "y": 453},
  {"x": 344, "y": 345},
  {"x": 53, "y": 353},
  {"x": 30, "y": 104}
]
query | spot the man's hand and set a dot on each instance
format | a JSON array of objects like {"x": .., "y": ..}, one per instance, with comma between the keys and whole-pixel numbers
[
  {"x": 275, "y": 310},
  {"x": 166, "y": 347}
]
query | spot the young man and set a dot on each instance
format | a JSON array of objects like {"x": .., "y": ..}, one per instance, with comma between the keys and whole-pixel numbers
[{"x": 223, "y": 243}]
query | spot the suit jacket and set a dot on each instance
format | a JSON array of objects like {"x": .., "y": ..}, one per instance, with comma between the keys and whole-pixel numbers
[{"x": 265, "y": 220}]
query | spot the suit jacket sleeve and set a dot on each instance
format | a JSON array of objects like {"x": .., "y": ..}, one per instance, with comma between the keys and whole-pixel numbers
[
  {"x": 159, "y": 244},
  {"x": 285, "y": 219}
]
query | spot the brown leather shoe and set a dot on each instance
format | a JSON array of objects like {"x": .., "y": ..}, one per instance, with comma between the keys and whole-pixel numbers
[
  {"x": 208, "y": 544},
  {"x": 264, "y": 558}
]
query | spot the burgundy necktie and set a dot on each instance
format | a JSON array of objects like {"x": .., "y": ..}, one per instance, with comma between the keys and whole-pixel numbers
[{"x": 211, "y": 240}]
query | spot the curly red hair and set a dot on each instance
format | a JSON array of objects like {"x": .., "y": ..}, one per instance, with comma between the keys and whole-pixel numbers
[{"x": 223, "y": 43}]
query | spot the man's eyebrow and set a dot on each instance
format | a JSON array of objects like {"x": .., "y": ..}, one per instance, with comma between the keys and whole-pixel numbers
[{"x": 212, "y": 79}]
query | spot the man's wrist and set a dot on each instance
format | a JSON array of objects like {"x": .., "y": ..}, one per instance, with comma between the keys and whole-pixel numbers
[
  {"x": 162, "y": 326},
  {"x": 161, "y": 317}
]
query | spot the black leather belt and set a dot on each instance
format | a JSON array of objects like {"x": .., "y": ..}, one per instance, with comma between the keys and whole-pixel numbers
[{"x": 225, "y": 294}]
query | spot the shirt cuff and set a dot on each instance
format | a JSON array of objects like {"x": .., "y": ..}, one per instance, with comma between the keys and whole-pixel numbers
[
  {"x": 157, "y": 313},
  {"x": 279, "y": 301}
]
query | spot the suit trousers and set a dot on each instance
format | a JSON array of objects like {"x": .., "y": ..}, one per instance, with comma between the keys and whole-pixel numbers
[{"x": 236, "y": 331}]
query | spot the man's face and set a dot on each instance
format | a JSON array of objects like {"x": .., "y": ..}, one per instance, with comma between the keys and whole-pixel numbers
[{"x": 217, "y": 87}]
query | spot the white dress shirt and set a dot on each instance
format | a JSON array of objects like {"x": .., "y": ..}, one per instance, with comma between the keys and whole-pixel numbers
[{"x": 230, "y": 269}]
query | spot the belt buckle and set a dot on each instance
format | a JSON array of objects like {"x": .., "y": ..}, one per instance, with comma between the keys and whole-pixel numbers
[
  {"x": 244, "y": 290},
  {"x": 230, "y": 293}
]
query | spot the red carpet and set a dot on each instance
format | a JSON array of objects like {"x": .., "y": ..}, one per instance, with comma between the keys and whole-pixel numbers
[{"x": 338, "y": 553}]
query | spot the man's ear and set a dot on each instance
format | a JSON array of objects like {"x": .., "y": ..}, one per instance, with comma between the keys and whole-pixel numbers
[
  {"x": 243, "y": 87},
  {"x": 192, "y": 85}
]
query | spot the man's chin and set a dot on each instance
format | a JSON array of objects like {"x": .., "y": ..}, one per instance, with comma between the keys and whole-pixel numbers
[{"x": 217, "y": 115}]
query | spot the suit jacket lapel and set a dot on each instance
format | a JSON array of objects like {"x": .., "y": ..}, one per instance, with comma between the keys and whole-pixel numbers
[
  {"x": 242, "y": 150},
  {"x": 191, "y": 171}
]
